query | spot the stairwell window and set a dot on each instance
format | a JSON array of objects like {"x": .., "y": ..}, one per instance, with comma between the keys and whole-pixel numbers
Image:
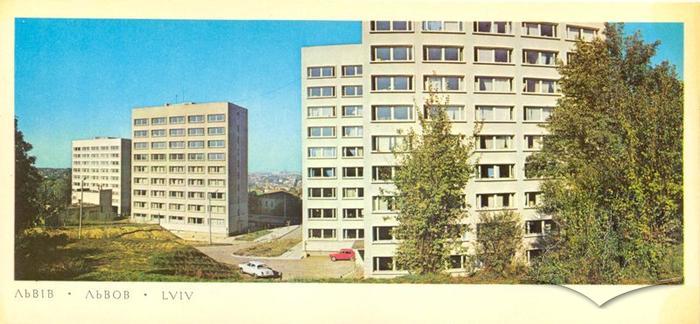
[
  {"x": 321, "y": 72},
  {"x": 390, "y": 26},
  {"x": 443, "y": 53},
  {"x": 537, "y": 57},
  {"x": 540, "y": 86},
  {"x": 493, "y": 27},
  {"x": 443, "y": 26},
  {"x": 493, "y": 84},
  {"x": 443, "y": 83},
  {"x": 390, "y": 83},
  {"x": 394, "y": 53},
  {"x": 492, "y": 55}
]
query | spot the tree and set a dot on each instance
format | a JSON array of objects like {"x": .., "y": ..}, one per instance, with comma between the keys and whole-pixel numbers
[
  {"x": 434, "y": 168},
  {"x": 27, "y": 181},
  {"x": 498, "y": 241},
  {"x": 614, "y": 163}
]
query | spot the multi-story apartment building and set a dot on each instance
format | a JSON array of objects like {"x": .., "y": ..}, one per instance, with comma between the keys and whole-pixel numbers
[
  {"x": 355, "y": 99},
  {"x": 190, "y": 167},
  {"x": 102, "y": 163}
]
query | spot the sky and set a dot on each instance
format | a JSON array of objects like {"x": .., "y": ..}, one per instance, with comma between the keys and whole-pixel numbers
[{"x": 80, "y": 78}]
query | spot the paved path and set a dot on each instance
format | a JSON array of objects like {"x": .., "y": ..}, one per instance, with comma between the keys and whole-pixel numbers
[{"x": 287, "y": 231}]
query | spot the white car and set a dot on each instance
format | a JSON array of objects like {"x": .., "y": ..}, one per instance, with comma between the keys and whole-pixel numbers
[{"x": 258, "y": 269}]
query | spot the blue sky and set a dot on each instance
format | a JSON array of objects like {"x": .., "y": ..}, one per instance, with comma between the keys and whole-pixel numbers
[{"x": 81, "y": 78}]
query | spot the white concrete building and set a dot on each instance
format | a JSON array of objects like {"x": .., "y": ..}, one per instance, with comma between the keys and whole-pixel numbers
[
  {"x": 102, "y": 163},
  {"x": 356, "y": 97},
  {"x": 190, "y": 165}
]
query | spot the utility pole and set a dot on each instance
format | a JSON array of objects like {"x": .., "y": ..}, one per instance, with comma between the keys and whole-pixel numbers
[{"x": 80, "y": 217}]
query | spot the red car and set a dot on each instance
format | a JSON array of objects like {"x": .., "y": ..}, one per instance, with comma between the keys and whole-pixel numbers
[{"x": 343, "y": 254}]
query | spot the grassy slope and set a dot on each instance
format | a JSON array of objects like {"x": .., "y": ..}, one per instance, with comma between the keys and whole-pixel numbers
[
  {"x": 115, "y": 253},
  {"x": 270, "y": 249},
  {"x": 253, "y": 235}
]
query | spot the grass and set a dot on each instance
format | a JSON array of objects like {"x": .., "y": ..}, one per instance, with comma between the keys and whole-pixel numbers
[
  {"x": 270, "y": 249},
  {"x": 124, "y": 252},
  {"x": 253, "y": 235}
]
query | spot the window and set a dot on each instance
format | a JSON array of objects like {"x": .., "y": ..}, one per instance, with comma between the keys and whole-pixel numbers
[
  {"x": 493, "y": 84},
  {"x": 141, "y": 133},
  {"x": 570, "y": 57},
  {"x": 457, "y": 261},
  {"x": 195, "y": 144},
  {"x": 177, "y": 120},
  {"x": 177, "y": 132},
  {"x": 218, "y": 209},
  {"x": 319, "y": 92},
  {"x": 392, "y": 83},
  {"x": 383, "y": 203},
  {"x": 387, "y": 144},
  {"x": 317, "y": 233},
  {"x": 215, "y": 131},
  {"x": 495, "y": 201},
  {"x": 140, "y": 168},
  {"x": 495, "y": 171},
  {"x": 195, "y": 131},
  {"x": 216, "y": 156},
  {"x": 322, "y": 193},
  {"x": 195, "y": 220},
  {"x": 396, "y": 53},
  {"x": 321, "y": 172},
  {"x": 533, "y": 142},
  {"x": 350, "y": 193},
  {"x": 545, "y": 86},
  {"x": 353, "y": 151},
  {"x": 495, "y": 142},
  {"x": 442, "y": 53},
  {"x": 157, "y": 193},
  {"x": 443, "y": 26},
  {"x": 158, "y": 121},
  {"x": 384, "y": 264},
  {"x": 215, "y": 143},
  {"x": 454, "y": 113},
  {"x": 321, "y": 112},
  {"x": 352, "y": 172},
  {"x": 195, "y": 119},
  {"x": 195, "y": 169},
  {"x": 195, "y": 182},
  {"x": 539, "y": 29},
  {"x": 585, "y": 34},
  {"x": 537, "y": 114},
  {"x": 195, "y": 195},
  {"x": 352, "y": 91},
  {"x": 392, "y": 113},
  {"x": 493, "y": 27},
  {"x": 321, "y": 72},
  {"x": 216, "y": 169},
  {"x": 321, "y": 213},
  {"x": 140, "y": 180},
  {"x": 140, "y": 204},
  {"x": 140, "y": 145},
  {"x": 140, "y": 192},
  {"x": 322, "y": 152},
  {"x": 352, "y": 70},
  {"x": 158, "y": 181},
  {"x": 537, "y": 57},
  {"x": 327, "y": 131},
  {"x": 352, "y": 111},
  {"x": 383, "y": 233},
  {"x": 352, "y": 213},
  {"x": 443, "y": 83},
  {"x": 353, "y": 233},
  {"x": 158, "y": 133},
  {"x": 176, "y": 144},
  {"x": 352, "y": 131},
  {"x": 390, "y": 26},
  {"x": 494, "y": 113},
  {"x": 216, "y": 195},
  {"x": 533, "y": 199},
  {"x": 140, "y": 121},
  {"x": 158, "y": 169},
  {"x": 158, "y": 157},
  {"x": 492, "y": 55},
  {"x": 176, "y": 194},
  {"x": 176, "y": 156},
  {"x": 176, "y": 169},
  {"x": 195, "y": 156},
  {"x": 155, "y": 205},
  {"x": 383, "y": 173},
  {"x": 158, "y": 145},
  {"x": 213, "y": 118}
]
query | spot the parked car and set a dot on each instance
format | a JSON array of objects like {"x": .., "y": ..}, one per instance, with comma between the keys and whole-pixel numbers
[
  {"x": 343, "y": 254},
  {"x": 258, "y": 269}
]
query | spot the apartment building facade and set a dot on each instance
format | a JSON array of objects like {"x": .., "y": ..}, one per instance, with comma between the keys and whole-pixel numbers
[
  {"x": 356, "y": 98},
  {"x": 98, "y": 164},
  {"x": 190, "y": 167}
]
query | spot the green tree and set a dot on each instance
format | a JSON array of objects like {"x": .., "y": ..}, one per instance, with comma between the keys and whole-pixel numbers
[
  {"x": 27, "y": 181},
  {"x": 498, "y": 241},
  {"x": 434, "y": 168},
  {"x": 614, "y": 163}
]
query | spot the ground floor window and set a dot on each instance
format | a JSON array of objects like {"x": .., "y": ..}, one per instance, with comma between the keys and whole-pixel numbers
[
  {"x": 353, "y": 233},
  {"x": 385, "y": 264},
  {"x": 457, "y": 261},
  {"x": 533, "y": 255}
]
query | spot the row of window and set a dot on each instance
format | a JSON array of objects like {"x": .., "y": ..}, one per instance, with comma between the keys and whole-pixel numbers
[
  {"x": 389, "y": 264},
  {"x": 348, "y": 233},
  {"x": 176, "y": 182},
  {"x": 86, "y": 185},
  {"x": 330, "y": 213},
  {"x": 180, "y": 207},
  {"x": 180, "y": 157},
  {"x": 178, "y": 132},
  {"x": 532, "y": 29},
  {"x": 179, "y": 144},
  {"x": 179, "y": 169},
  {"x": 386, "y": 173},
  {"x": 329, "y": 71},
  {"x": 94, "y": 155},
  {"x": 179, "y": 219},
  {"x": 485, "y": 201},
  {"x": 96, "y": 148},
  {"x": 386, "y": 113},
  {"x": 175, "y": 120},
  {"x": 80, "y": 176},
  {"x": 441, "y": 83},
  {"x": 181, "y": 194}
]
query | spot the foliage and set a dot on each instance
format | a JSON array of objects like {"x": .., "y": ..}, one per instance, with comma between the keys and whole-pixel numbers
[
  {"x": 27, "y": 181},
  {"x": 434, "y": 168},
  {"x": 614, "y": 164},
  {"x": 498, "y": 241}
]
